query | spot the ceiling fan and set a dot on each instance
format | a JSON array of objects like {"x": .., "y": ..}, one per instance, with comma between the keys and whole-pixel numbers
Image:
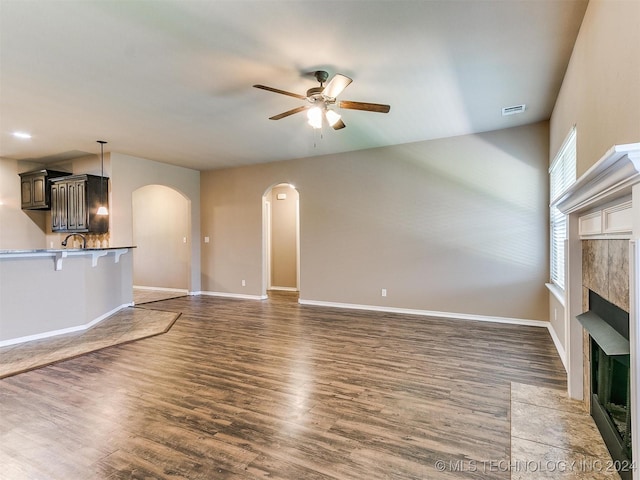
[{"x": 319, "y": 99}]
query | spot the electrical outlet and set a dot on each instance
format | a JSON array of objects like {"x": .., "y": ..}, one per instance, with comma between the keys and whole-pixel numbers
[
  {"x": 244, "y": 283},
  {"x": 384, "y": 292},
  {"x": 206, "y": 239}
]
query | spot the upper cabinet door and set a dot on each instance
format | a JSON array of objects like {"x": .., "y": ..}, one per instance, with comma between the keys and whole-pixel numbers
[
  {"x": 26, "y": 187},
  {"x": 35, "y": 188},
  {"x": 76, "y": 199}
]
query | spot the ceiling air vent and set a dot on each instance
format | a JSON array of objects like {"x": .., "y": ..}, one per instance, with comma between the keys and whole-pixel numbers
[{"x": 513, "y": 110}]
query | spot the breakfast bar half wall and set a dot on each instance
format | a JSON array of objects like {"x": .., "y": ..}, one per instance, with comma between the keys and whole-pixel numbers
[{"x": 51, "y": 292}]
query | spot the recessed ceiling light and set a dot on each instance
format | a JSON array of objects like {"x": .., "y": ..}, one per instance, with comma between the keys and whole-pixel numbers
[{"x": 21, "y": 135}]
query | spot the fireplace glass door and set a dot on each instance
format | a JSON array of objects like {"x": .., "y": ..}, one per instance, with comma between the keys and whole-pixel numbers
[{"x": 610, "y": 385}]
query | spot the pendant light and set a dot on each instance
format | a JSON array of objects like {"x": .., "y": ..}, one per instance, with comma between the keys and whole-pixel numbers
[{"x": 102, "y": 210}]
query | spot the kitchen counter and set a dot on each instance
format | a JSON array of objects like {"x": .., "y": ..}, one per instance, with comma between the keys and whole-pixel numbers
[
  {"x": 56, "y": 250},
  {"x": 62, "y": 253},
  {"x": 48, "y": 292}
]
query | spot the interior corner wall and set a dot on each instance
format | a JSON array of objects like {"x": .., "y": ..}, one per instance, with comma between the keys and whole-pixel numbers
[
  {"x": 600, "y": 93},
  {"x": 457, "y": 225},
  {"x": 131, "y": 173},
  {"x": 19, "y": 229}
]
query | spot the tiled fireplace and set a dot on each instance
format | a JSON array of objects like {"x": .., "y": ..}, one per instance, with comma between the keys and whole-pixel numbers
[
  {"x": 605, "y": 282},
  {"x": 602, "y": 297}
]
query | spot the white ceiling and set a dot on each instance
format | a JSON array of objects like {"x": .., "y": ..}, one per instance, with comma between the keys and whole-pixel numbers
[{"x": 172, "y": 80}]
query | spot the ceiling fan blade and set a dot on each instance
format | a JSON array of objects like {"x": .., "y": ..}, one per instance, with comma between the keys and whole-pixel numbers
[
  {"x": 289, "y": 112},
  {"x": 338, "y": 125},
  {"x": 336, "y": 85},
  {"x": 283, "y": 92},
  {"x": 369, "y": 107}
]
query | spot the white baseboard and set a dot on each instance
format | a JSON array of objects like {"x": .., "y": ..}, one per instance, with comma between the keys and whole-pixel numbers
[
  {"x": 558, "y": 345},
  {"x": 162, "y": 289},
  {"x": 62, "y": 331},
  {"x": 429, "y": 313},
  {"x": 284, "y": 289},
  {"x": 233, "y": 295}
]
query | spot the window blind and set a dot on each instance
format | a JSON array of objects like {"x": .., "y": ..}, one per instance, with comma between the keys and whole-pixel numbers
[{"x": 562, "y": 174}]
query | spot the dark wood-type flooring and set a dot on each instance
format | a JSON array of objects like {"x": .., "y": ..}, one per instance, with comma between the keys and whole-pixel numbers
[{"x": 248, "y": 389}]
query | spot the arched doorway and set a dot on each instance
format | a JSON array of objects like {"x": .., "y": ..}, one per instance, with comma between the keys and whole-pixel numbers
[
  {"x": 281, "y": 206},
  {"x": 161, "y": 226}
]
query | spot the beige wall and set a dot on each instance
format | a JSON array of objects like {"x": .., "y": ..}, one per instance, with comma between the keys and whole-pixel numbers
[
  {"x": 128, "y": 174},
  {"x": 601, "y": 89},
  {"x": 19, "y": 229},
  {"x": 160, "y": 226},
  {"x": 455, "y": 225},
  {"x": 284, "y": 233}
]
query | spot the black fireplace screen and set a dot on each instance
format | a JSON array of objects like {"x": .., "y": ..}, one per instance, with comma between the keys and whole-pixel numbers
[{"x": 610, "y": 384}]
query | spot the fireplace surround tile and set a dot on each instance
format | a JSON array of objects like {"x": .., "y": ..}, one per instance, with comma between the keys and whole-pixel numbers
[
  {"x": 618, "y": 273},
  {"x": 595, "y": 266},
  {"x": 605, "y": 269}
]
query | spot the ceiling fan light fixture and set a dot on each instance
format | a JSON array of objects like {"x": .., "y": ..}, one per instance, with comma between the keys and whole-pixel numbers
[
  {"x": 314, "y": 116},
  {"x": 319, "y": 99},
  {"x": 332, "y": 117}
]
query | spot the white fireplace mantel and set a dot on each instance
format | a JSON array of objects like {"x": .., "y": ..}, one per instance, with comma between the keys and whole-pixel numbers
[{"x": 615, "y": 177}]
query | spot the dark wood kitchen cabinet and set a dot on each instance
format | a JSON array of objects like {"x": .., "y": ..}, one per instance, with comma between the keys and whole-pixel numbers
[
  {"x": 35, "y": 188},
  {"x": 74, "y": 204}
]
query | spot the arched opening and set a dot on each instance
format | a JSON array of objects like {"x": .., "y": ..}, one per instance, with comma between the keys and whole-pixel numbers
[
  {"x": 161, "y": 226},
  {"x": 281, "y": 246}
]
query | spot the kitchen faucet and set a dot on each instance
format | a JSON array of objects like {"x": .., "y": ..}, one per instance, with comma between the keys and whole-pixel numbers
[{"x": 84, "y": 239}]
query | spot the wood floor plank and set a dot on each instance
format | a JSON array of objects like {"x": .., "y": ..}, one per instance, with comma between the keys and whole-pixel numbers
[{"x": 246, "y": 389}]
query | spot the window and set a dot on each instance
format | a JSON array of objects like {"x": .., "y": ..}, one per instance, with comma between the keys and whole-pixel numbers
[{"x": 562, "y": 175}]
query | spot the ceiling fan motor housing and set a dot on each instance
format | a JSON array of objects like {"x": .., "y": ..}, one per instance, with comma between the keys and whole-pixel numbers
[{"x": 321, "y": 76}]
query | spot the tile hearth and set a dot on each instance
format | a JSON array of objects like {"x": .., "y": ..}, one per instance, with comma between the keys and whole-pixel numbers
[{"x": 553, "y": 437}]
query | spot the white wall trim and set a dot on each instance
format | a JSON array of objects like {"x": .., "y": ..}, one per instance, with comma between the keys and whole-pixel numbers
[
  {"x": 558, "y": 345},
  {"x": 54, "y": 333},
  {"x": 162, "y": 289},
  {"x": 557, "y": 292},
  {"x": 429, "y": 313},
  {"x": 233, "y": 295},
  {"x": 284, "y": 289}
]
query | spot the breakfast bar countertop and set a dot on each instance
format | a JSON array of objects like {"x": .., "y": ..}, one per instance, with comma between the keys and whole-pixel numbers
[{"x": 58, "y": 250}]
